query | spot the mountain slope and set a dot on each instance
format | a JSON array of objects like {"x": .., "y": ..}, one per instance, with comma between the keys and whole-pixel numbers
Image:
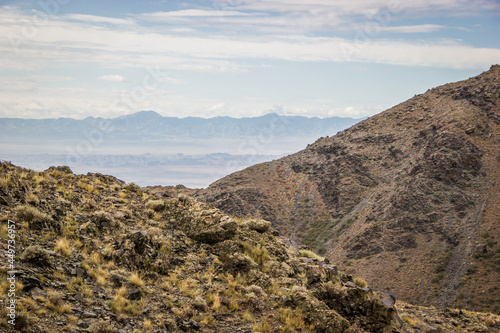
[
  {"x": 93, "y": 254},
  {"x": 408, "y": 199}
]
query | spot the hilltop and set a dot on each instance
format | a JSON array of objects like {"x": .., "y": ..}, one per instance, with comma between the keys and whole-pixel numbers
[{"x": 407, "y": 199}]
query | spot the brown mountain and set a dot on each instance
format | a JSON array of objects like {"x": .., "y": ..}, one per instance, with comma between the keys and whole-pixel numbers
[{"x": 409, "y": 199}]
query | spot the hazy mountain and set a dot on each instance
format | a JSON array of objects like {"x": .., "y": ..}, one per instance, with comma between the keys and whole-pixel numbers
[
  {"x": 151, "y": 126},
  {"x": 409, "y": 199},
  {"x": 144, "y": 147}
]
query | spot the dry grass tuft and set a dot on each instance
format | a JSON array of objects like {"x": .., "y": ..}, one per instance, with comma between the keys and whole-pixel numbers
[
  {"x": 62, "y": 246},
  {"x": 136, "y": 280}
]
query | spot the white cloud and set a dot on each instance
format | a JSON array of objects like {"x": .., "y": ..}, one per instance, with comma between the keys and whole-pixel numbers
[
  {"x": 325, "y": 15},
  {"x": 112, "y": 78},
  {"x": 241, "y": 36},
  {"x": 364, "y": 7},
  {"x": 217, "y": 107},
  {"x": 63, "y": 42},
  {"x": 196, "y": 13},
  {"x": 68, "y": 42},
  {"x": 410, "y": 29},
  {"x": 99, "y": 19}
]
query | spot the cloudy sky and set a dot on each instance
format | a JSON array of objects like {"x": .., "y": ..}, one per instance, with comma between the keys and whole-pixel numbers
[{"x": 79, "y": 58}]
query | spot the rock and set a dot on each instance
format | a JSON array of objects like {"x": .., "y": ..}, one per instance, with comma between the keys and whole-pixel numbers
[
  {"x": 89, "y": 315},
  {"x": 212, "y": 234},
  {"x": 391, "y": 297},
  {"x": 37, "y": 292},
  {"x": 62, "y": 168},
  {"x": 306, "y": 260},
  {"x": 330, "y": 271},
  {"x": 30, "y": 282},
  {"x": 350, "y": 284},
  {"x": 79, "y": 272},
  {"x": 258, "y": 225},
  {"x": 189, "y": 325},
  {"x": 480, "y": 250},
  {"x": 83, "y": 323},
  {"x": 134, "y": 294},
  {"x": 118, "y": 277}
]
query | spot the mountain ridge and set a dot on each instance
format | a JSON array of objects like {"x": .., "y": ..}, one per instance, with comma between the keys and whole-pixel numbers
[
  {"x": 149, "y": 125},
  {"x": 404, "y": 198}
]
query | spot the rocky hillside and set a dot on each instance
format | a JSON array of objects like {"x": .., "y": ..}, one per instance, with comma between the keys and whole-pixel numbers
[
  {"x": 93, "y": 254},
  {"x": 408, "y": 199}
]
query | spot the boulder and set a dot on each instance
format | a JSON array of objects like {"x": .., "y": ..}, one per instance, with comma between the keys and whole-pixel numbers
[{"x": 258, "y": 225}]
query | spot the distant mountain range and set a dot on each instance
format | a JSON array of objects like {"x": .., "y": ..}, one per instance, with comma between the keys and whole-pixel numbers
[
  {"x": 143, "y": 147},
  {"x": 151, "y": 126}
]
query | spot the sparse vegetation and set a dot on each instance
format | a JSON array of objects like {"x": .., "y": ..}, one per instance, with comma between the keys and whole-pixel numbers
[
  {"x": 110, "y": 255},
  {"x": 31, "y": 214},
  {"x": 258, "y": 252},
  {"x": 311, "y": 254},
  {"x": 136, "y": 279},
  {"x": 62, "y": 246},
  {"x": 37, "y": 255},
  {"x": 56, "y": 303},
  {"x": 360, "y": 282}
]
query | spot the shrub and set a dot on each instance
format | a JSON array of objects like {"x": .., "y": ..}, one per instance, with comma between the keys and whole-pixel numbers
[
  {"x": 6, "y": 181},
  {"x": 22, "y": 321},
  {"x": 200, "y": 303},
  {"x": 489, "y": 322},
  {"x": 215, "y": 301},
  {"x": 30, "y": 214},
  {"x": 133, "y": 187},
  {"x": 360, "y": 282},
  {"x": 310, "y": 254},
  {"x": 258, "y": 253},
  {"x": 118, "y": 277},
  {"x": 36, "y": 255},
  {"x": 207, "y": 320},
  {"x": 263, "y": 327},
  {"x": 99, "y": 275},
  {"x": 120, "y": 304},
  {"x": 147, "y": 325},
  {"x": 32, "y": 199}
]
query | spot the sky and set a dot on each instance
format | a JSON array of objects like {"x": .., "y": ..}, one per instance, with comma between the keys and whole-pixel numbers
[{"x": 239, "y": 58}]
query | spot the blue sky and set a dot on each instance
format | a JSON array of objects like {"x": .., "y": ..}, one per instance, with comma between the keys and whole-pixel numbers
[{"x": 240, "y": 58}]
